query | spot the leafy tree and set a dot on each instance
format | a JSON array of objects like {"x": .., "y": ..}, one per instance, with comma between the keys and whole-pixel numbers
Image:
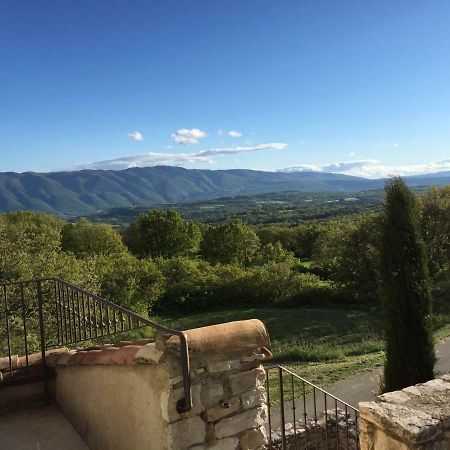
[
  {"x": 85, "y": 238},
  {"x": 348, "y": 254},
  {"x": 274, "y": 253},
  {"x": 162, "y": 234},
  {"x": 136, "y": 284},
  {"x": 405, "y": 292},
  {"x": 230, "y": 243},
  {"x": 435, "y": 224}
]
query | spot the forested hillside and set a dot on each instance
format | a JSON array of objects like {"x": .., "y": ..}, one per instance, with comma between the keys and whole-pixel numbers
[{"x": 90, "y": 191}]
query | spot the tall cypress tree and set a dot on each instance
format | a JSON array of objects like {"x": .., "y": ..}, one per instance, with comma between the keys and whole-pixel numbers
[{"x": 405, "y": 292}]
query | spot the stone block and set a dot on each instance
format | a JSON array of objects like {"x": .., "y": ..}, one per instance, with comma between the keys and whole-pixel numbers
[
  {"x": 247, "y": 381},
  {"x": 253, "y": 439},
  {"x": 186, "y": 432},
  {"x": 223, "y": 366},
  {"x": 396, "y": 397},
  {"x": 254, "y": 398},
  {"x": 212, "y": 394},
  {"x": 223, "y": 410},
  {"x": 231, "y": 443},
  {"x": 230, "y": 426},
  {"x": 170, "y": 414},
  {"x": 149, "y": 354}
]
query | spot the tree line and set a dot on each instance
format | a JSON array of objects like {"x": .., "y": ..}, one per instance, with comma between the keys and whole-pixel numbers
[{"x": 162, "y": 261}]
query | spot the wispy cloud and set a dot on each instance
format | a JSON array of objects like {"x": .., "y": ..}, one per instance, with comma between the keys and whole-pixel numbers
[
  {"x": 372, "y": 168},
  {"x": 136, "y": 136},
  {"x": 234, "y": 133},
  {"x": 185, "y": 136},
  {"x": 170, "y": 159}
]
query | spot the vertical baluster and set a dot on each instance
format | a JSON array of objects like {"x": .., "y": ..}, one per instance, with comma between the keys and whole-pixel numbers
[
  {"x": 293, "y": 411},
  {"x": 101, "y": 318},
  {"x": 64, "y": 310},
  {"x": 24, "y": 320},
  {"x": 89, "y": 316},
  {"x": 346, "y": 425},
  {"x": 115, "y": 321},
  {"x": 77, "y": 296},
  {"x": 74, "y": 315},
  {"x": 95, "y": 317},
  {"x": 315, "y": 418},
  {"x": 326, "y": 418},
  {"x": 58, "y": 331},
  {"x": 337, "y": 424},
  {"x": 129, "y": 323},
  {"x": 83, "y": 310},
  {"x": 305, "y": 413},
  {"x": 268, "y": 408},
  {"x": 69, "y": 313},
  {"x": 283, "y": 422},
  {"x": 8, "y": 335},
  {"x": 357, "y": 429},
  {"x": 121, "y": 321},
  {"x": 107, "y": 320}
]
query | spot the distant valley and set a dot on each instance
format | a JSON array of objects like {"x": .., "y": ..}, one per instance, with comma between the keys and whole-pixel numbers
[{"x": 89, "y": 192}]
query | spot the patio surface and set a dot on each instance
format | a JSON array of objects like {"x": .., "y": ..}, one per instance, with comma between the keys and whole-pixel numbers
[{"x": 38, "y": 428}]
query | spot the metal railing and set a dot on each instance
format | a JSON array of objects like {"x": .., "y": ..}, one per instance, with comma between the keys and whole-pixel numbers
[
  {"x": 302, "y": 415},
  {"x": 47, "y": 313}
]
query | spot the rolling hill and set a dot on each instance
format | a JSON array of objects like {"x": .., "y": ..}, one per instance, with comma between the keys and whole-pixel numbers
[{"x": 87, "y": 192}]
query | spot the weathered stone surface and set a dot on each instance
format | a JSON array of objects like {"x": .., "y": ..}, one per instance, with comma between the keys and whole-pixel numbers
[
  {"x": 149, "y": 354},
  {"x": 253, "y": 439},
  {"x": 170, "y": 414},
  {"x": 187, "y": 432},
  {"x": 230, "y": 426},
  {"x": 226, "y": 409},
  {"x": 254, "y": 398},
  {"x": 407, "y": 424},
  {"x": 247, "y": 381},
  {"x": 224, "y": 444},
  {"x": 223, "y": 366},
  {"x": 412, "y": 390},
  {"x": 396, "y": 397},
  {"x": 212, "y": 394}
]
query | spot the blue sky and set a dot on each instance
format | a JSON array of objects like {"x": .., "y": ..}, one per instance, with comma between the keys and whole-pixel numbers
[{"x": 304, "y": 84}]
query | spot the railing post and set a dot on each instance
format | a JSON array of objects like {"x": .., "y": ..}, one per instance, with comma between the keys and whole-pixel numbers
[
  {"x": 283, "y": 424},
  {"x": 185, "y": 404},
  {"x": 40, "y": 299}
]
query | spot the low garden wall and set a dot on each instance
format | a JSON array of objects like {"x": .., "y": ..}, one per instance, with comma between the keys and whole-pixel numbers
[
  {"x": 415, "y": 418},
  {"x": 124, "y": 396}
]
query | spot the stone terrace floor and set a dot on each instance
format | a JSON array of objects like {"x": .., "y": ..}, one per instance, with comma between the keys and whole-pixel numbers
[{"x": 38, "y": 428}]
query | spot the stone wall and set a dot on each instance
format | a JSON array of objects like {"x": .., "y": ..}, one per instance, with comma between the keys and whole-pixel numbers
[
  {"x": 417, "y": 417},
  {"x": 124, "y": 396},
  {"x": 322, "y": 435}
]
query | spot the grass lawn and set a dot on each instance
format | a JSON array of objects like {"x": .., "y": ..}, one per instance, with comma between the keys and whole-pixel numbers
[{"x": 323, "y": 345}]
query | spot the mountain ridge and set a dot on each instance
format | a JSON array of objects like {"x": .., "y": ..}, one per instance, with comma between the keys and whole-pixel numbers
[{"x": 84, "y": 192}]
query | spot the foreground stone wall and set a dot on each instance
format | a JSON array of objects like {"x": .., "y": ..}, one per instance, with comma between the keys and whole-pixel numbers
[
  {"x": 417, "y": 417},
  {"x": 124, "y": 396}
]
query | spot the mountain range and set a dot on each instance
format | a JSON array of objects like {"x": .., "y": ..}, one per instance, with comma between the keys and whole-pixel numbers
[{"x": 86, "y": 192}]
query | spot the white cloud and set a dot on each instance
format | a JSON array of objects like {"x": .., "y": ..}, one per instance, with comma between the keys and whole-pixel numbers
[
  {"x": 185, "y": 136},
  {"x": 371, "y": 168},
  {"x": 136, "y": 136},
  {"x": 234, "y": 133},
  {"x": 170, "y": 159},
  {"x": 243, "y": 149}
]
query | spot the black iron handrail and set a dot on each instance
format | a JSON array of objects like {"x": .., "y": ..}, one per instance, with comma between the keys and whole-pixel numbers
[
  {"x": 302, "y": 403},
  {"x": 80, "y": 315}
]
